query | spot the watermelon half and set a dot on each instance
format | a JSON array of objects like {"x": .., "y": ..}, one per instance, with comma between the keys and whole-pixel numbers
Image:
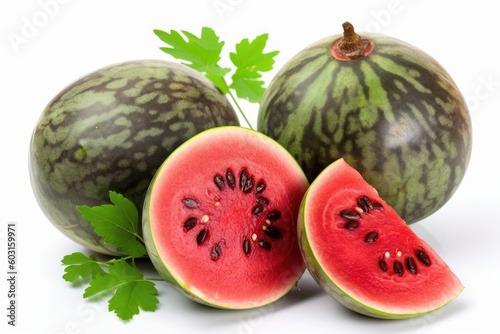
[
  {"x": 220, "y": 219},
  {"x": 364, "y": 255}
]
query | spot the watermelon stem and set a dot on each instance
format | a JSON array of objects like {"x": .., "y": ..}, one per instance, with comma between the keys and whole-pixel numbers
[
  {"x": 351, "y": 42},
  {"x": 351, "y": 46}
]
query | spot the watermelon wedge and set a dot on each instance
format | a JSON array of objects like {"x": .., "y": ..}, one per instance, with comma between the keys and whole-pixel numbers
[{"x": 364, "y": 255}]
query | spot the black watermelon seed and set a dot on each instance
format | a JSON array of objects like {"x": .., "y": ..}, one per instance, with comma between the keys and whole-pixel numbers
[
  {"x": 423, "y": 257},
  {"x": 264, "y": 245},
  {"x": 371, "y": 237},
  {"x": 189, "y": 224},
  {"x": 190, "y": 203},
  {"x": 352, "y": 224},
  {"x": 257, "y": 210},
  {"x": 202, "y": 236},
  {"x": 383, "y": 265},
  {"x": 216, "y": 252},
  {"x": 398, "y": 268},
  {"x": 365, "y": 204},
  {"x": 219, "y": 181},
  {"x": 230, "y": 179},
  {"x": 273, "y": 232},
  {"x": 246, "y": 181},
  {"x": 274, "y": 215},
  {"x": 411, "y": 265},
  {"x": 261, "y": 186},
  {"x": 246, "y": 246},
  {"x": 262, "y": 200},
  {"x": 350, "y": 214}
]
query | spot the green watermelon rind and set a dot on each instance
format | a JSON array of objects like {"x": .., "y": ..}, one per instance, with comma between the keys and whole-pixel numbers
[
  {"x": 329, "y": 286},
  {"x": 151, "y": 245}
]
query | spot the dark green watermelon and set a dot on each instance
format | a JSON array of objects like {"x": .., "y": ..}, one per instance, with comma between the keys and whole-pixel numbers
[
  {"x": 392, "y": 112},
  {"x": 111, "y": 130}
]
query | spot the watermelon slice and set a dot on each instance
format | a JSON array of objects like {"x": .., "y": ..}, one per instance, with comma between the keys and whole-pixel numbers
[
  {"x": 220, "y": 219},
  {"x": 364, "y": 255}
]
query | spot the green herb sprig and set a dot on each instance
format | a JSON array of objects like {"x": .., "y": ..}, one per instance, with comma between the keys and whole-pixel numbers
[
  {"x": 203, "y": 54},
  {"x": 117, "y": 224}
]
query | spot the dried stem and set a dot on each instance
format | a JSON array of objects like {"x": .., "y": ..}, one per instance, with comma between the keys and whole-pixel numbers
[{"x": 352, "y": 45}]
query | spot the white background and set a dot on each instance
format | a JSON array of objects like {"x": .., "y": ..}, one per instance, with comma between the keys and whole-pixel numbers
[{"x": 47, "y": 44}]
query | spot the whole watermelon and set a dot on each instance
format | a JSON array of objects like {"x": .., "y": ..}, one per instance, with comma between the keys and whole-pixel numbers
[
  {"x": 111, "y": 130},
  {"x": 389, "y": 109}
]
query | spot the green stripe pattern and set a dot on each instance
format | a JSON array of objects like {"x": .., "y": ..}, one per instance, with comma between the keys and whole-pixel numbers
[
  {"x": 111, "y": 130},
  {"x": 395, "y": 115}
]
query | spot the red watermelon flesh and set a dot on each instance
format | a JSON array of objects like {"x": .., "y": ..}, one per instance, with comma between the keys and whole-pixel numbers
[
  {"x": 364, "y": 255},
  {"x": 220, "y": 219}
]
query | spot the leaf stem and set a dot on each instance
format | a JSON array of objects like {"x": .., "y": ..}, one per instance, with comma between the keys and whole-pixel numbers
[
  {"x": 239, "y": 109},
  {"x": 112, "y": 261},
  {"x": 140, "y": 238}
]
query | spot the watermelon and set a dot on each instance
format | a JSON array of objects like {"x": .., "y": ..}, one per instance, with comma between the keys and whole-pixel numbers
[
  {"x": 364, "y": 255},
  {"x": 386, "y": 107},
  {"x": 220, "y": 219},
  {"x": 110, "y": 131}
]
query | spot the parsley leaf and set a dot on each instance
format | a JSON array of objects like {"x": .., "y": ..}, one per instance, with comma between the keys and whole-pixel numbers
[
  {"x": 204, "y": 54},
  {"x": 250, "y": 60},
  {"x": 131, "y": 290},
  {"x": 81, "y": 266},
  {"x": 200, "y": 53},
  {"x": 132, "y": 295},
  {"x": 117, "y": 223}
]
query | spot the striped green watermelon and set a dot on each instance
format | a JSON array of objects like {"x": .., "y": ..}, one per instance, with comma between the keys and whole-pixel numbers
[
  {"x": 389, "y": 109},
  {"x": 111, "y": 130}
]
